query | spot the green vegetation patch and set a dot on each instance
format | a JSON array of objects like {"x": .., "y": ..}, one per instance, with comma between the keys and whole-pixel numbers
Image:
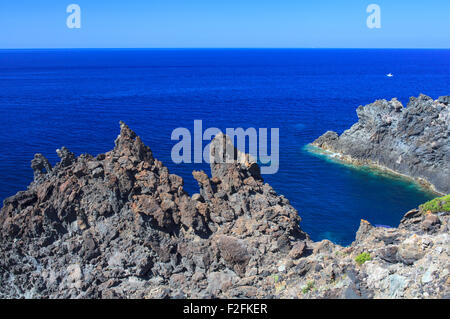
[
  {"x": 440, "y": 204},
  {"x": 362, "y": 258}
]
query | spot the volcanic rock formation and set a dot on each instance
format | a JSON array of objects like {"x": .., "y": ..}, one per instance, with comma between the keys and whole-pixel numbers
[{"x": 412, "y": 141}]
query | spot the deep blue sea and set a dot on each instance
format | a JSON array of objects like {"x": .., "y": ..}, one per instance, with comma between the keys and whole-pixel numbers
[{"x": 75, "y": 98}]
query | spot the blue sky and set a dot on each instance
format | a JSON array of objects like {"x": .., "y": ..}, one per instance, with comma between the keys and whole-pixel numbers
[{"x": 225, "y": 23}]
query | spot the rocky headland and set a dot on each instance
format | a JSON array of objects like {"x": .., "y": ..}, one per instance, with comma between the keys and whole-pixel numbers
[
  {"x": 119, "y": 225},
  {"x": 412, "y": 141}
]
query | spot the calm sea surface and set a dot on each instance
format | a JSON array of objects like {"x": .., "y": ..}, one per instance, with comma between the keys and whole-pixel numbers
[{"x": 75, "y": 98}]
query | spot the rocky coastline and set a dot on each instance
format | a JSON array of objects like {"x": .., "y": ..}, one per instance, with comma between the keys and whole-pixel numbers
[
  {"x": 120, "y": 225},
  {"x": 413, "y": 142}
]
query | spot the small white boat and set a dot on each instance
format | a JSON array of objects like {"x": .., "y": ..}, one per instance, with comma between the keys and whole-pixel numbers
[{"x": 389, "y": 75}]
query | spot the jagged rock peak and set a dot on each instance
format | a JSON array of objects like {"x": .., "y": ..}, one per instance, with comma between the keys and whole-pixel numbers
[
  {"x": 66, "y": 156},
  {"x": 121, "y": 226}
]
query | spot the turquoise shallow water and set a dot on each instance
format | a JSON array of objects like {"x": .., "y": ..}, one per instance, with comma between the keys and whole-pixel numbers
[{"x": 50, "y": 98}]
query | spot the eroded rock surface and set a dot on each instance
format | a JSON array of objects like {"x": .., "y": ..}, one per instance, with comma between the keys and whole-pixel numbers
[
  {"x": 119, "y": 225},
  {"x": 413, "y": 141}
]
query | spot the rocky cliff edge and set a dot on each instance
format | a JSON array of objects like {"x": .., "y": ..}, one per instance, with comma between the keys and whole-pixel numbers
[{"x": 119, "y": 225}]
